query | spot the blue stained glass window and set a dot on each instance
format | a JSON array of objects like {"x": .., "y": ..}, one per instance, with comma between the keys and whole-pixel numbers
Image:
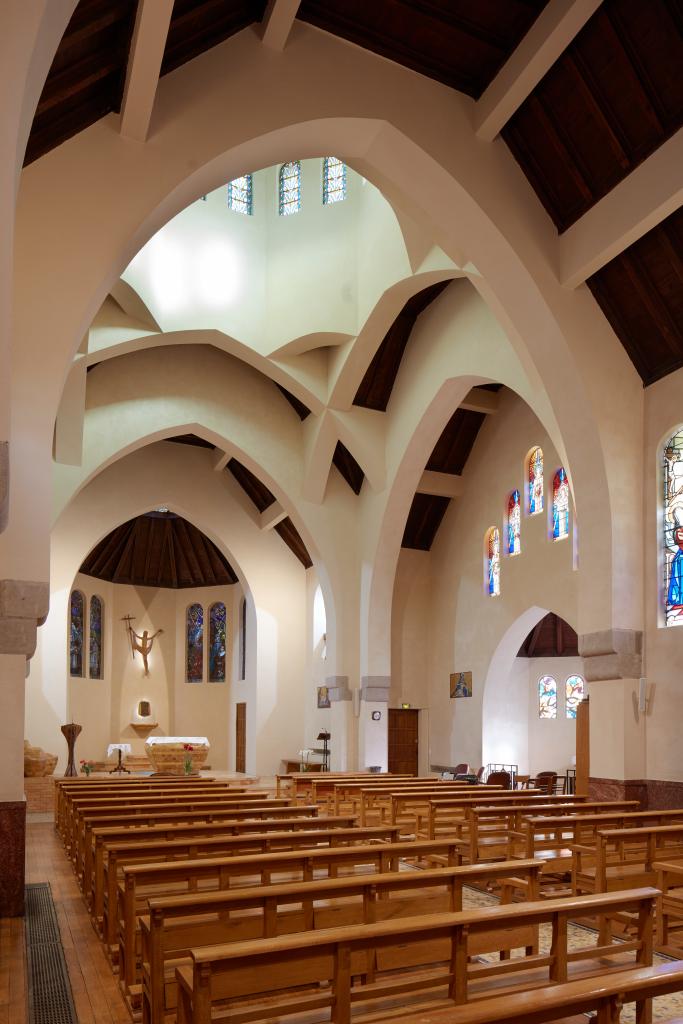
[
  {"x": 672, "y": 526},
  {"x": 547, "y": 697},
  {"x": 535, "y": 481},
  {"x": 575, "y": 694},
  {"x": 290, "y": 188},
  {"x": 95, "y": 653},
  {"x": 76, "y": 625},
  {"x": 240, "y": 195},
  {"x": 493, "y": 562},
  {"x": 560, "y": 505},
  {"x": 195, "y": 644},
  {"x": 217, "y": 622},
  {"x": 514, "y": 523},
  {"x": 334, "y": 180}
]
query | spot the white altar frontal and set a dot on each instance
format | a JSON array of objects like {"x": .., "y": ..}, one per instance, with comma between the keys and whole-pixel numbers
[{"x": 177, "y": 755}]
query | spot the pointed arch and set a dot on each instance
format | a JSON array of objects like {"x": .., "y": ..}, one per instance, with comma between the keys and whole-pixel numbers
[
  {"x": 534, "y": 477},
  {"x": 493, "y": 561}
]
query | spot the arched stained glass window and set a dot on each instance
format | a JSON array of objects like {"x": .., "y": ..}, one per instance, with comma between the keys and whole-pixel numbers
[
  {"x": 290, "y": 188},
  {"x": 240, "y": 195},
  {"x": 575, "y": 693},
  {"x": 96, "y": 634},
  {"x": 194, "y": 672},
  {"x": 672, "y": 526},
  {"x": 514, "y": 523},
  {"x": 217, "y": 621},
  {"x": 334, "y": 180},
  {"x": 493, "y": 561},
  {"x": 560, "y": 505},
  {"x": 76, "y": 627},
  {"x": 547, "y": 697},
  {"x": 243, "y": 638},
  {"x": 535, "y": 481}
]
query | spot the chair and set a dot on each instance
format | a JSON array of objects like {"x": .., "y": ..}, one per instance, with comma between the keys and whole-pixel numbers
[
  {"x": 546, "y": 780},
  {"x": 480, "y": 773},
  {"x": 462, "y": 769},
  {"x": 499, "y": 779}
]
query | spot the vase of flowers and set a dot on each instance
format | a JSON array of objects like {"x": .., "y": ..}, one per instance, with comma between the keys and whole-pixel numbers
[
  {"x": 87, "y": 767},
  {"x": 187, "y": 763}
]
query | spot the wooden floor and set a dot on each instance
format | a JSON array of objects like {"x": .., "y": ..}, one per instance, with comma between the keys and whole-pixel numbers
[{"x": 94, "y": 987}]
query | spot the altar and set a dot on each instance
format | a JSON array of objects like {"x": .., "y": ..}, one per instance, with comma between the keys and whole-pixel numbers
[{"x": 177, "y": 755}]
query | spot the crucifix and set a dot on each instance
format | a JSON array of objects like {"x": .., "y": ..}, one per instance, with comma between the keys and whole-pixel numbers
[{"x": 140, "y": 643}]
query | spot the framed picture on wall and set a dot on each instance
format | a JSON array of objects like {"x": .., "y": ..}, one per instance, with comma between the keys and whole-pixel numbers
[
  {"x": 461, "y": 684},
  {"x": 323, "y": 697}
]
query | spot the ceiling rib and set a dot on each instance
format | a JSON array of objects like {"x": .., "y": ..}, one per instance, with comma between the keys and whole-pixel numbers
[{"x": 152, "y": 22}]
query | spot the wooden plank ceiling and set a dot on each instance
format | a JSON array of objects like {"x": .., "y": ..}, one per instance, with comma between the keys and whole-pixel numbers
[
  {"x": 88, "y": 72},
  {"x": 552, "y": 637},
  {"x": 159, "y": 549}
]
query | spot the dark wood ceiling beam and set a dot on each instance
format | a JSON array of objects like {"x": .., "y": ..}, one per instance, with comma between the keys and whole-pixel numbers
[{"x": 638, "y": 275}]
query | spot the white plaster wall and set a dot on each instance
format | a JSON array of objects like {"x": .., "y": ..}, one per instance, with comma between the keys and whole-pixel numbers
[
  {"x": 663, "y": 663},
  {"x": 552, "y": 741}
]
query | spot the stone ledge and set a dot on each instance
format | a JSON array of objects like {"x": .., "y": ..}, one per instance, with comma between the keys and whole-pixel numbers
[
  {"x": 612, "y": 654},
  {"x": 375, "y": 689},
  {"x": 24, "y": 599},
  {"x": 18, "y": 636},
  {"x": 338, "y": 688}
]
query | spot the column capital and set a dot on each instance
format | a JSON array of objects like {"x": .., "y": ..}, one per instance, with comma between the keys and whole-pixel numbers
[
  {"x": 375, "y": 688},
  {"x": 338, "y": 688},
  {"x": 23, "y": 607},
  {"x": 612, "y": 654}
]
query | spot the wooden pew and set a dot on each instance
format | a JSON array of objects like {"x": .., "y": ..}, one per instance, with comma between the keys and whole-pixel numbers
[
  {"x": 366, "y": 798},
  {"x": 568, "y": 1003},
  {"x": 492, "y": 831},
  {"x": 147, "y": 813},
  {"x": 65, "y": 789},
  {"x": 300, "y": 784},
  {"x": 118, "y": 855},
  {"x": 254, "y": 979},
  {"x": 71, "y": 800},
  {"x": 177, "y": 923},
  {"x": 141, "y": 882},
  {"x": 670, "y": 910},
  {"x": 241, "y": 822},
  {"x": 445, "y": 814},
  {"x": 623, "y": 855},
  {"x": 347, "y": 792}
]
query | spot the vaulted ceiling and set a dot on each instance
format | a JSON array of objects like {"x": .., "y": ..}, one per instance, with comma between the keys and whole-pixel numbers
[
  {"x": 552, "y": 637},
  {"x": 159, "y": 549},
  {"x": 611, "y": 98}
]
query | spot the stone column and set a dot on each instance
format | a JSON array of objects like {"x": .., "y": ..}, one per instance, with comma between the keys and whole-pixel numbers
[
  {"x": 373, "y": 735},
  {"x": 612, "y": 668},
  {"x": 22, "y": 606},
  {"x": 341, "y": 723}
]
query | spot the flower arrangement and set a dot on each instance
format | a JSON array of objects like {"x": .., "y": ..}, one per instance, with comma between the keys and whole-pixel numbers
[
  {"x": 87, "y": 766},
  {"x": 188, "y": 760}
]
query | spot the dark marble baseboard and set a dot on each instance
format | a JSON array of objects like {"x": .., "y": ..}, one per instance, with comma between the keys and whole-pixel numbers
[
  {"x": 653, "y": 794},
  {"x": 12, "y": 858}
]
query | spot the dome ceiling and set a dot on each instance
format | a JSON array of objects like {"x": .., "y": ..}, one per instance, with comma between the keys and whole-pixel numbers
[{"x": 159, "y": 549}]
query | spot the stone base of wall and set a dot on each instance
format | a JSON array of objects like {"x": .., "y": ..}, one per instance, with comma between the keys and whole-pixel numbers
[
  {"x": 653, "y": 794},
  {"x": 12, "y": 856},
  {"x": 40, "y": 794}
]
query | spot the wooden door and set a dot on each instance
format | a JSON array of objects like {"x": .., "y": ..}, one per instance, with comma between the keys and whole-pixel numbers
[
  {"x": 240, "y": 737},
  {"x": 403, "y": 740}
]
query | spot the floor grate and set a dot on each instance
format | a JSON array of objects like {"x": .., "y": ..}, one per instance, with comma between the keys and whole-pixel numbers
[{"x": 49, "y": 991}]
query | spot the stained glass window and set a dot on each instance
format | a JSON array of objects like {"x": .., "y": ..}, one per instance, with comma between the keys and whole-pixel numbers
[
  {"x": 76, "y": 617},
  {"x": 493, "y": 562},
  {"x": 290, "y": 188},
  {"x": 672, "y": 522},
  {"x": 514, "y": 523},
  {"x": 217, "y": 643},
  {"x": 547, "y": 697},
  {"x": 243, "y": 639},
  {"x": 95, "y": 653},
  {"x": 334, "y": 180},
  {"x": 195, "y": 644},
  {"x": 535, "y": 481},
  {"x": 240, "y": 195},
  {"x": 575, "y": 694},
  {"x": 560, "y": 505}
]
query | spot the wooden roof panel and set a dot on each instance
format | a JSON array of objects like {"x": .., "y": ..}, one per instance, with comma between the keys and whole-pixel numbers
[
  {"x": 424, "y": 519},
  {"x": 348, "y": 467},
  {"x": 453, "y": 448},
  {"x": 292, "y": 538},
  {"x": 552, "y": 637},
  {"x": 159, "y": 550},
  {"x": 261, "y": 496}
]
